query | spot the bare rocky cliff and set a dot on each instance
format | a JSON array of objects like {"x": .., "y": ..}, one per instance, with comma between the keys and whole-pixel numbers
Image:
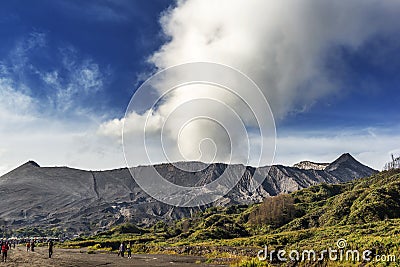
[{"x": 309, "y": 165}]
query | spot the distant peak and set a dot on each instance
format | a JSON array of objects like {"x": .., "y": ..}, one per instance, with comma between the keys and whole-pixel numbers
[
  {"x": 349, "y": 168},
  {"x": 32, "y": 163},
  {"x": 345, "y": 157}
]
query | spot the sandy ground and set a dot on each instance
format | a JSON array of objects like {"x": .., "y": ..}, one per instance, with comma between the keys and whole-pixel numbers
[{"x": 77, "y": 257}]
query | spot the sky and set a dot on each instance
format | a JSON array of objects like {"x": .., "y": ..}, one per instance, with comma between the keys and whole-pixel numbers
[{"x": 68, "y": 70}]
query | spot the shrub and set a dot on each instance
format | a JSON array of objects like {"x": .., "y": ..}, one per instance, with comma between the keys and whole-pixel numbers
[{"x": 275, "y": 211}]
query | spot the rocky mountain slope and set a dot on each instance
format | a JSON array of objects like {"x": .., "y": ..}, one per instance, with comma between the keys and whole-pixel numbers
[
  {"x": 85, "y": 201},
  {"x": 363, "y": 213},
  {"x": 309, "y": 165}
]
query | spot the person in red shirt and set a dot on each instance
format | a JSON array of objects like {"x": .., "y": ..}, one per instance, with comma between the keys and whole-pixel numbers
[{"x": 4, "y": 249}]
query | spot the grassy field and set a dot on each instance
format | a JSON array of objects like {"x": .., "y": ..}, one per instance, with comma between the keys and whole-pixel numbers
[{"x": 365, "y": 213}]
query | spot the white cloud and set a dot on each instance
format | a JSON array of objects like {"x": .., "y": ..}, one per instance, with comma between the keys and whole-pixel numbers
[
  {"x": 17, "y": 61},
  {"x": 74, "y": 79},
  {"x": 26, "y": 134},
  {"x": 281, "y": 45},
  {"x": 61, "y": 146},
  {"x": 15, "y": 105},
  {"x": 77, "y": 76},
  {"x": 82, "y": 80},
  {"x": 39, "y": 128}
]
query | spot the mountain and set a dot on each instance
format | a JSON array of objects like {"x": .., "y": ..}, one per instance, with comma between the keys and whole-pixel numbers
[
  {"x": 348, "y": 167},
  {"x": 75, "y": 201}
]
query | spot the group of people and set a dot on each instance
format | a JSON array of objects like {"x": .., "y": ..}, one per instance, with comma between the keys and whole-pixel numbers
[
  {"x": 5, "y": 246},
  {"x": 125, "y": 248},
  {"x": 30, "y": 246}
]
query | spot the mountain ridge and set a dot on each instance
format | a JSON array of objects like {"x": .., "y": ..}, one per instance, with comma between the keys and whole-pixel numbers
[{"x": 84, "y": 201}]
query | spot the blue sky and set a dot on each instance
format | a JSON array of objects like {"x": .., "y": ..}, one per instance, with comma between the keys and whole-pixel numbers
[
  {"x": 69, "y": 68},
  {"x": 117, "y": 37}
]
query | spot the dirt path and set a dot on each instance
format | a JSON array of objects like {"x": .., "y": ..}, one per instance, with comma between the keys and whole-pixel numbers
[{"x": 76, "y": 257}]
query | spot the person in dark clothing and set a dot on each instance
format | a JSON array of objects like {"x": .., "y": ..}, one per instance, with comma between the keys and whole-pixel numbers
[
  {"x": 50, "y": 245},
  {"x": 33, "y": 245},
  {"x": 129, "y": 250},
  {"x": 121, "y": 250}
]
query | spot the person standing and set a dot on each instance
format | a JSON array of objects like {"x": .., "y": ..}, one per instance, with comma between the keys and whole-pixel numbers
[
  {"x": 33, "y": 245},
  {"x": 129, "y": 250},
  {"x": 4, "y": 249},
  {"x": 50, "y": 245},
  {"x": 121, "y": 250},
  {"x": 28, "y": 246}
]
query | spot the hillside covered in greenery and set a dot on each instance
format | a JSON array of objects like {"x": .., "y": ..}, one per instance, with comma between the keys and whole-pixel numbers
[{"x": 365, "y": 212}]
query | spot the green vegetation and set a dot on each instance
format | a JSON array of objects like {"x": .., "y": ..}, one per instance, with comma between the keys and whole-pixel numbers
[
  {"x": 365, "y": 212},
  {"x": 275, "y": 211}
]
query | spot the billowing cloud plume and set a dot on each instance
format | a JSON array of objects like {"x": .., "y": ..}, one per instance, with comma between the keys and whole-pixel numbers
[{"x": 281, "y": 45}]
